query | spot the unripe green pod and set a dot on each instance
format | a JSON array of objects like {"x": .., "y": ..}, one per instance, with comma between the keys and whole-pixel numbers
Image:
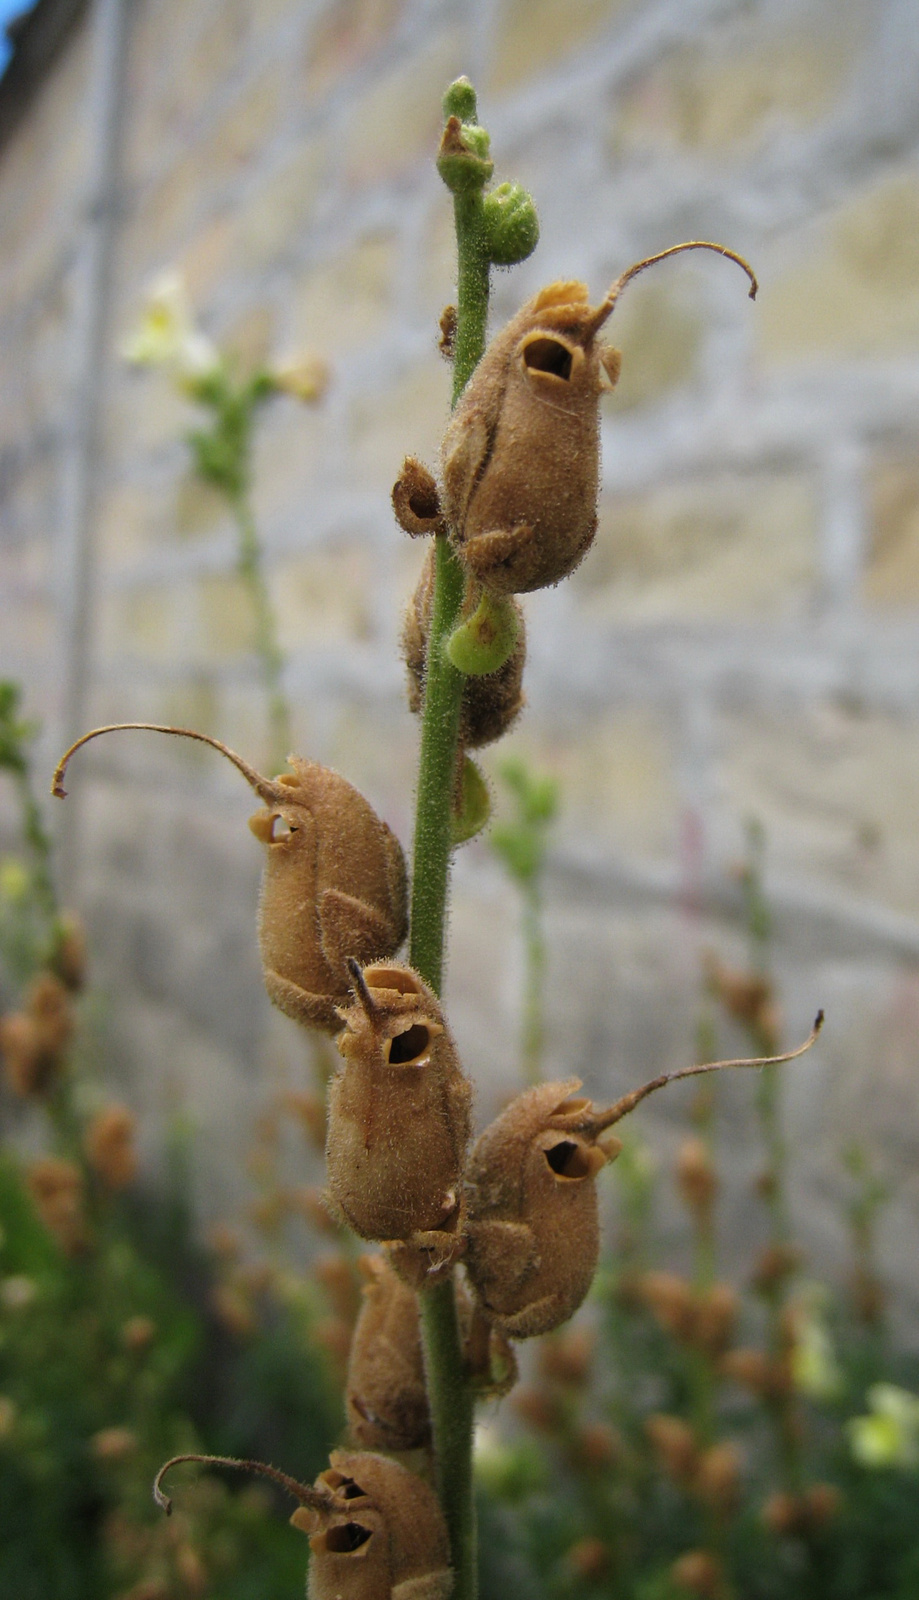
[
  {"x": 334, "y": 885},
  {"x": 521, "y": 455},
  {"x": 491, "y": 701},
  {"x": 385, "y": 1394},
  {"x": 389, "y": 1540},
  {"x": 533, "y": 1224},
  {"x": 399, "y": 1109},
  {"x": 511, "y": 224}
]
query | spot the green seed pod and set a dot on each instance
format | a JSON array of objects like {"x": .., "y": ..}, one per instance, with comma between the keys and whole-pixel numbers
[
  {"x": 533, "y": 1226},
  {"x": 511, "y": 224},
  {"x": 521, "y": 455},
  {"x": 388, "y": 1541},
  {"x": 399, "y": 1109},
  {"x": 385, "y": 1395},
  {"x": 334, "y": 884},
  {"x": 492, "y": 701}
]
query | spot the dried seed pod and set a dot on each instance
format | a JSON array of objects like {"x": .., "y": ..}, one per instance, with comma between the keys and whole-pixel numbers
[
  {"x": 334, "y": 884},
  {"x": 717, "y": 1479},
  {"x": 697, "y": 1180},
  {"x": 399, "y": 1110},
  {"x": 388, "y": 1541},
  {"x": 521, "y": 454},
  {"x": 491, "y": 701},
  {"x": 700, "y": 1572},
  {"x": 674, "y": 1443},
  {"x": 385, "y": 1397},
  {"x": 670, "y": 1300},
  {"x": 532, "y": 1237},
  {"x": 376, "y": 1530},
  {"x": 56, "y": 1187},
  {"x": 716, "y": 1311},
  {"x": 416, "y": 501},
  {"x": 533, "y": 1229},
  {"x": 110, "y": 1147}
]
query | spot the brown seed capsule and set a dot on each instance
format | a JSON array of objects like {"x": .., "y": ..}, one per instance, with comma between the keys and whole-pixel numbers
[
  {"x": 533, "y": 1229},
  {"x": 696, "y": 1178},
  {"x": 416, "y": 501},
  {"x": 57, "y": 1189},
  {"x": 521, "y": 453},
  {"x": 385, "y": 1397},
  {"x": 716, "y": 1311},
  {"x": 699, "y": 1572},
  {"x": 386, "y": 1541},
  {"x": 567, "y": 1357},
  {"x": 589, "y": 1558},
  {"x": 670, "y": 1300},
  {"x": 532, "y": 1238},
  {"x": 334, "y": 885},
  {"x": 674, "y": 1444},
  {"x": 110, "y": 1147},
  {"x": 399, "y": 1110},
  {"x": 491, "y": 701},
  {"x": 69, "y": 959},
  {"x": 717, "y": 1478},
  {"x": 758, "y": 1372}
]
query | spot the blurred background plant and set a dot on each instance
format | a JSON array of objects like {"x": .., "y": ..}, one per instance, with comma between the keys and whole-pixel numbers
[
  {"x": 122, "y": 1339},
  {"x": 687, "y": 1435},
  {"x": 167, "y": 337}
]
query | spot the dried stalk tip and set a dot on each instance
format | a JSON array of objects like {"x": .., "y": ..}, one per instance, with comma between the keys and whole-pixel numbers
[{"x": 320, "y": 1500}]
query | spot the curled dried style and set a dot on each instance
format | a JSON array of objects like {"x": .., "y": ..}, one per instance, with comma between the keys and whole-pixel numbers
[
  {"x": 533, "y": 1234},
  {"x": 334, "y": 884},
  {"x": 521, "y": 454}
]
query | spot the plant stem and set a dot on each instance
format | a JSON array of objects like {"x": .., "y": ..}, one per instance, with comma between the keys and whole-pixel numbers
[
  {"x": 266, "y": 628},
  {"x": 534, "y": 955},
  {"x": 449, "y": 1392}
]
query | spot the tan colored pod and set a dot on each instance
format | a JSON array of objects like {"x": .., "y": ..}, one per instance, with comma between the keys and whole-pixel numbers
[
  {"x": 399, "y": 1108},
  {"x": 385, "y": 1394},
  {"x": 389, "y": 1540},
  {"x": 491, "y": 701},
  {"x": 533, "y": 1227},
  {"x": 334, "y": 884},
  {"x": 532, "y": 1231},
  {"x": 521, "y": 455}
]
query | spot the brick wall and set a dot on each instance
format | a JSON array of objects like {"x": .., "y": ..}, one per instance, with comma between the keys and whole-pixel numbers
[{"x": 740, "y": 642}]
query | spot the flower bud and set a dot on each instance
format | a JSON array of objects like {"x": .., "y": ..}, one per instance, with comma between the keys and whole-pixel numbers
[
  {"x": 533, "y": 1229},
  {"x": 511, "y": 224},
  {"x": 399, "y": 1109},
  {"x": 491, "y": 702},
  {"x": 384, "y": 1537},
  {"x": 386, "y": 1398},
  {"x": 463, "y": 160}
]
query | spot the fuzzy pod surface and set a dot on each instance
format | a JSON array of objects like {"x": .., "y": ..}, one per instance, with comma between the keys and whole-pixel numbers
[
  {"x": 521, "y": 454},
  {"x": 399, "y": 1115},
  {"x": 385, "y": 1395},
  {"x": 533, "y": 1231},
  {"x": 389, "y": 1540}
]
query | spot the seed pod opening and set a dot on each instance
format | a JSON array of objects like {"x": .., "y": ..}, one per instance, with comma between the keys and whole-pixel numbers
[
  {"x": 399, "y": 1109},
  {"x": 521, "y": 454},
  {"x": 386, "y": 1537}
]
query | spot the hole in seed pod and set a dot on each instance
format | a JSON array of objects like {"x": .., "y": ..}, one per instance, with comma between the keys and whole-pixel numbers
[
  {"x": 346, "y": 1538},
  {"x": 568, "y": 1160},
  {"x": 424, "y": 503},
  {"x": 548, "y": 355},
  {"x": 280, "y": 830},
  {"x": 409, "y": 1046},
  {"x": 349, "y": 1490}
]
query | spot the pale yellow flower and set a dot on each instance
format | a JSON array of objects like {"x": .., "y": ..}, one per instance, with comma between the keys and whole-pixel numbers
[
  {"x": 167, "y": 336},
  {"x": 889, "y": 1435},
  {"x": 306, "y": 377}
]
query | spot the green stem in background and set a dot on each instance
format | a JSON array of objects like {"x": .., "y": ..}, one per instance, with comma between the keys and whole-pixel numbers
[
  {"x": 449, "y": 1392},
  {"x": 534, "y": 955},
  {"x": 267, "y": 648}
]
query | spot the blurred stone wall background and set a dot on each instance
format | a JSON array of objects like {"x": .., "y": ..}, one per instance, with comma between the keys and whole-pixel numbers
[{"x": 741, "y": 642}]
